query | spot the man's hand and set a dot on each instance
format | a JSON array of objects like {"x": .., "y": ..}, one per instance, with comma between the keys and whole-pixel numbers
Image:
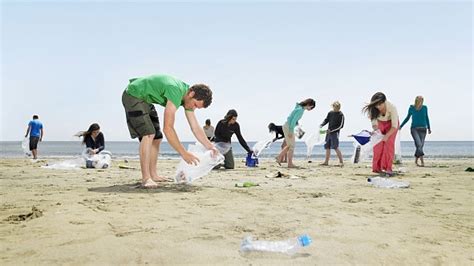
[
  {"x": 190, "y": 158},
  {"x": 215, "y": 152}
]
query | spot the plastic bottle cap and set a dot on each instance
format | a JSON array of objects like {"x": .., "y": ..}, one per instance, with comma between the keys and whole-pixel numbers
[{"x": 305, "y": 240}]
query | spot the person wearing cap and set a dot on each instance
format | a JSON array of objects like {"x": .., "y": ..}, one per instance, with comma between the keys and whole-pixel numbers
[
  {"x": 143, "y": 123},
  {"x": 225, "y": 128},
  {"x": 384, "y": 117},
  {"x": 289, "y": 129},
  {"x": 335, "y": 118}
]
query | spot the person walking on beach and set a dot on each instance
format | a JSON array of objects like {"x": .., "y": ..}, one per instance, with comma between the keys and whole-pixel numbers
[
  {"x": 209, "y": 130},
  {"x": 384, "y": 117},
  {"x": 225, "y": 128},
  {"x": 279, "y": 134},
  {"x": 289, "y": 129},
  {"x": 93, "y": 139},
  {"x": 420, "y": 124},
  {"x": 335, "y": 118},
  {"x": 143, "y": 123},
  {"x": 36, "y": 132}
]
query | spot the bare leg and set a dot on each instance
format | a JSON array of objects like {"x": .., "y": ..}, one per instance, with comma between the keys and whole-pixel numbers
[
  {"x": 326, "y": 159},
  {"x": 154, "y": 151},
  {"x": 416, "y": 161},
  {"x": 339, "y": 155},
  {"x": 290, "y": 158},
  {"x": 145, "y": 154},
  {"x": 422, "y": 161},
  {"x": 35, "y": 154},
  {"x": 283, "y": 153}
]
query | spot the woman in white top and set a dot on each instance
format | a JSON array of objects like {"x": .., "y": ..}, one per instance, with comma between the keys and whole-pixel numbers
[{"x": 209, "y": 130}]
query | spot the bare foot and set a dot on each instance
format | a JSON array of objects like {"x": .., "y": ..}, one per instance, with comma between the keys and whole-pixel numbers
[
  {"x": 149, "y": 183},
  {"x": 161, "y": 179},
  {"x": 293, "y": 166},
  {"x": 277, "y": 160},
  {"x": 324, "y": 164}
]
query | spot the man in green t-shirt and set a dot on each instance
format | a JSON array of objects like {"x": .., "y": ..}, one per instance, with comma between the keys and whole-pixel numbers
[{"x": 143, "y": 122}]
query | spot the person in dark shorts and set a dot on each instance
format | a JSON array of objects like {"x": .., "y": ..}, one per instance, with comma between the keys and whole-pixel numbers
[
  {"x": 35, "y": 130},
  {"x": 143, "y": 123},
  {"x": 225, "y": 128},
  {"x": 335, "y": 118}
]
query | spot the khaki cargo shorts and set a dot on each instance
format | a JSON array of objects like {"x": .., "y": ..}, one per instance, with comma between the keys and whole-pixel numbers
[
  {"x": 289, "y": 141},
  {"x": 142, "y": 118}
]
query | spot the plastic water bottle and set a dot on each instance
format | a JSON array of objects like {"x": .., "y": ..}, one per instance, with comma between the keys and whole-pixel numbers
[{"x": 290, "y": 246}]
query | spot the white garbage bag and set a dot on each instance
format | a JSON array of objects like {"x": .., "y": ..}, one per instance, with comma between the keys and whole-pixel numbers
[
  {"x": 25, "y": 146},
  {"x": 383, "y": 182},
  {"x": 367, "y": 149},
  {"x": 315, "y": 138},
  {"x": 187, "y": 173},
  {"x": 223, "y": 147},
  {"x": 398, "y": 149},
  {"x": 261, "y": 145},
  {"x": 101, "y": 160}
]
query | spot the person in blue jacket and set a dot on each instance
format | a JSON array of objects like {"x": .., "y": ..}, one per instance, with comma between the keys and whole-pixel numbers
[
  {"x": 289, "y": 129},
  {"x": 420, "y": 124}
]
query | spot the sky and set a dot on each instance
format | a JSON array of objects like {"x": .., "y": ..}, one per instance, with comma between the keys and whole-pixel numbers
[{"x": 70, "y": 61}]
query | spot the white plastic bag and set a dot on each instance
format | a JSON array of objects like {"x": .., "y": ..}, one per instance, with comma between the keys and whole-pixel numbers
[
  {"x": 101, "y": 160},
  {"x": 261, "y": 145},
  {"x": 387, "y": 183},
  {"x": 398, "y": 149},
  {"x": 25, "y": 146},
  {"x": 299, "y": 132},
  {"x": 223, "y": 147},
  {"x": 187, "y": 173},
  {"x": 315, "y": 138},
  {"x": 367, "y": 149}
]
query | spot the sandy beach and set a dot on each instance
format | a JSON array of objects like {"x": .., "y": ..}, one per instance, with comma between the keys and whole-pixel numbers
[{"x": 100, "y": 217}]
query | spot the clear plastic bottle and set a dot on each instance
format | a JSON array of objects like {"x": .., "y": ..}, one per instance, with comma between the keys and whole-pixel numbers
[{"x": 290, "y": 246}]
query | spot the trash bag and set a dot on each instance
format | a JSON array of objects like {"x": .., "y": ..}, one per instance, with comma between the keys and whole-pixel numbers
[
  {"x": 102, "y": 160},
  {"x": 387, "y": 183},
  {"x": 299, "y": 132},
  {"x": 363, "y": 151},
  {"x": 315, "y": 138},
  {"x": 261, "y": 145},
  {"x": 25, "y": 146},
  {"x": 398, "y": 149},
  {"x": 187, "y": 173},
  {"x": 223, "y": 147}
]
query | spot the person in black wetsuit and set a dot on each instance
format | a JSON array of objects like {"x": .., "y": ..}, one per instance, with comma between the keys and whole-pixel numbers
[
  {"x": 278, "y": 130},
  {"x": 225, "y": 128},
  {"x": 93, "y": 139}
]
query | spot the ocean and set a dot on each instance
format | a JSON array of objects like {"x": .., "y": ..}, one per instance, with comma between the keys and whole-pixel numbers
[{"x": 129, "y": 149}]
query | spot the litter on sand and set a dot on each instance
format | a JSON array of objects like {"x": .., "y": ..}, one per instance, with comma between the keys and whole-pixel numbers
[{"x": 383, "y": 182}]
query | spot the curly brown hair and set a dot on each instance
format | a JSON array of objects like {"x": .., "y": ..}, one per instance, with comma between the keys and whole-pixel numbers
[{"x": 202, "y": 93}]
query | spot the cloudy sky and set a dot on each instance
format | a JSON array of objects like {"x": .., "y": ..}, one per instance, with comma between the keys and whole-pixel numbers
[{"x": 70, "y": 61}]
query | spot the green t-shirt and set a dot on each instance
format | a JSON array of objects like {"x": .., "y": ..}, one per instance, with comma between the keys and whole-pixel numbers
[{"x": 158, "y": 89}]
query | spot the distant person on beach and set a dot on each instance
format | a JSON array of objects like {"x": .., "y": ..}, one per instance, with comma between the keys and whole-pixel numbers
[
  {"x": 143, "y": 123},
  {"x": 93, "y": 139},
  {"x": 279, "y": 134},
  {"x": 420, "y": 124},
  {"x": 335, "y": 118},
  {"x": 289, "y": 129},
  {"x": 225, "y": 128},
  {"x": 384, "y": 117},
  {"x": 209, "y": 130},
  {"x": 36, "y": 132}
]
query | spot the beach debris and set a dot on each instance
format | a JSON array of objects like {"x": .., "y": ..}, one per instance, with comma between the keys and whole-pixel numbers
[
  {"x": 383, "y": 182},
  {"x": 279, "y": 174},
  {"x": 469, "y": 169},
  {"x": 122, "y": 166},
  {"x": 35, "y": 213},
  {"x": 246, "y": 184}
]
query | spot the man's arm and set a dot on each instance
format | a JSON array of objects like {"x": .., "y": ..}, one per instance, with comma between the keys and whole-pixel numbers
[
  {"x": 41, "y": 134},
  {"x": 197, "y": 130},
  {"x": 27, "y": 131},
  {"x": 172, "y": 137}
]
